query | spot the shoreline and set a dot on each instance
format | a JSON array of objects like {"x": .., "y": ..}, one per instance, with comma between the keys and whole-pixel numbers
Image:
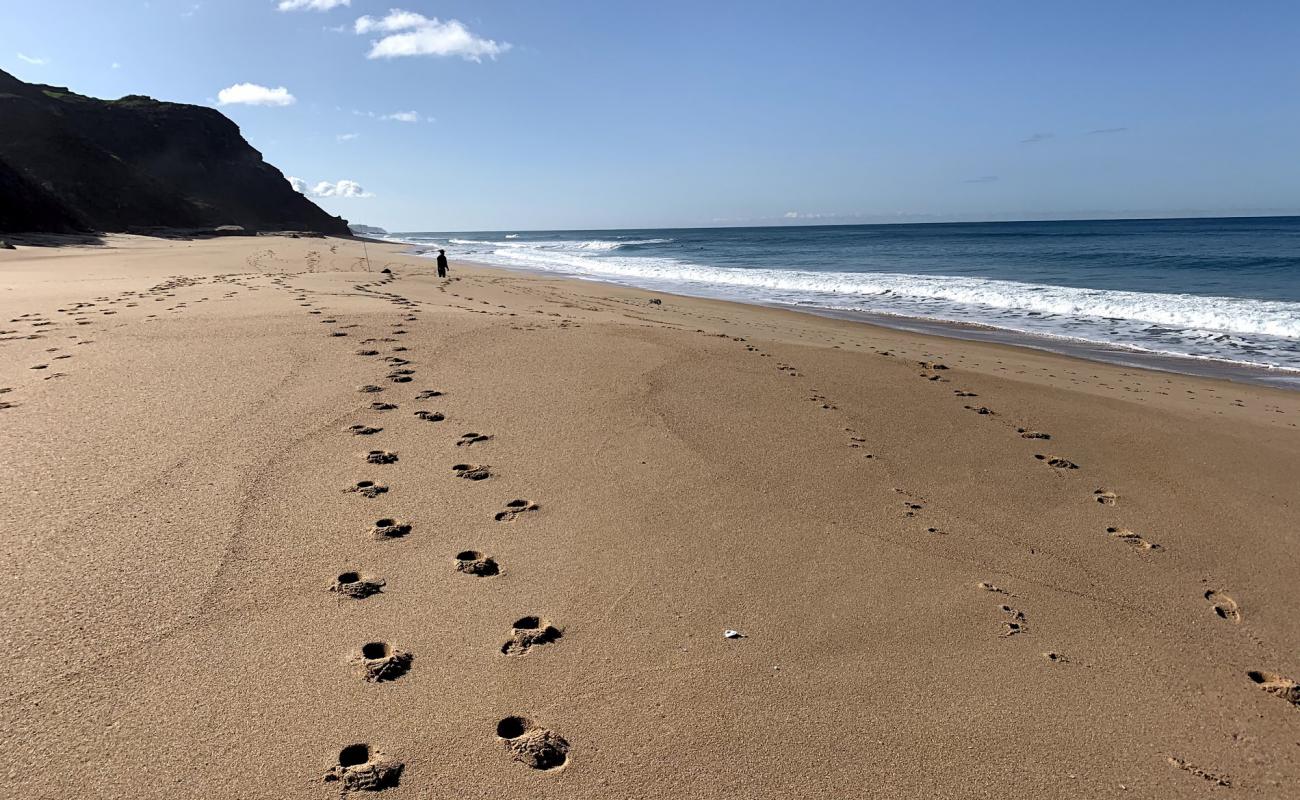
[{"x": 1115, "y": 355}]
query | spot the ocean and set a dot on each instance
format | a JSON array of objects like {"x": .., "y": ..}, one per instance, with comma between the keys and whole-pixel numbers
[{"x": 1187, "y": 294}]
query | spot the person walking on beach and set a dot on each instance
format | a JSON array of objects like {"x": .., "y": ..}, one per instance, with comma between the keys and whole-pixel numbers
[{"x": 442, "y": 263}]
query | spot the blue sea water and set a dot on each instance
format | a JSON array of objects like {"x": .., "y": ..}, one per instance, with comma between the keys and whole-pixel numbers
[{"x": 1223, "y": 289}]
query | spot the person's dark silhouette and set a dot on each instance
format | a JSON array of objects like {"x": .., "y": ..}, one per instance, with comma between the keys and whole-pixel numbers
[{"x": 442, "y": 263}]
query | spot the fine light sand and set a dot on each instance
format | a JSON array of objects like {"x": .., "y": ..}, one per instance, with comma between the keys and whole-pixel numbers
[{"x": 933, "y": 605}]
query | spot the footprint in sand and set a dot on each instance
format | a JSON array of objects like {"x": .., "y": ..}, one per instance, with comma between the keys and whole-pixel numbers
[
  {"x": 1106, "y": 498},
  {"x": 472, "y": 562},
  {"x": 400, "y": 378},
  {"x": 962, "y": 393},
  {"x": 1057, "y": 462},
  {"x": 472, "y": 472},
  {"x": 428, "y": 394},
  {"x": 531, "y": 744},
  {"x": 363, "y": 769},
  {"x": 1015, "y": 623},
  {"x": 389, "y": 529},
  {"x": 1204, "y": 774},
  {"x": 382, "y": 661},
  {"x": 1224, "y": 606},
  {"x": 367, "y": 489},
  {"x": 363, "y": 430},
  {"x": 381, "y": 457},
  {"x": 367, "y": 352},
  {"x": 529, "y": 632},
  {"x": 982, "y": 410},
  {"x": 513, "y": 509},
  {"x": 379, "y": 406},
  {"x": 430, "y": 416},
  {"x": 1025, "y": 433},
  {"x": 370, "y": 388},
  {"x": 1277, "y": 685},
  {"x": 356, "y": 585},
  {"x": 470, "y": 439},
  {"x": 990, "y": 587},
  {"x": 1129, "y": 537}
]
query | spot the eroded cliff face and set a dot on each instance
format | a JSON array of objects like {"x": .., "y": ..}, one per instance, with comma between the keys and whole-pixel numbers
[{"x": 75, "y": 163}]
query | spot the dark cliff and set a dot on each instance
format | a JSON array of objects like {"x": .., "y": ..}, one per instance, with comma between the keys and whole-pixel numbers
[{"x": 74, "y": 163}]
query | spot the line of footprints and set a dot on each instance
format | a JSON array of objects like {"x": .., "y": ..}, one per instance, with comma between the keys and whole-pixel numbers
[
  {"x": 361, "y": 767},
  {"x": 1013, "y": 621}
]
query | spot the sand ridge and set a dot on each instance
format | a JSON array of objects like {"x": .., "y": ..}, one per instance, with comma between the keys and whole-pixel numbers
[{"x": 306, "y": 529}]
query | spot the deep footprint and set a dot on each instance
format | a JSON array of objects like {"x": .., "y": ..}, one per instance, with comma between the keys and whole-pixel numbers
[
  {"x": 472, "y": 562},
  {"x": 389, "y": 529},
  {"x": 381, "y": 661},
  {"x": 531, "y": 744},
  {"x": 472, "y": 472},
  {"x": 1057, "y": 462},
  {"x": 1277, "y": 685},
  {"x": 529, "y": 632},
  {"x": 468, "y": 439},
  {"x": 1224, "y": 606},
  {"x": 356, "y": 585},
  {"x": 367, "y": 489},
  {"x": 362, "y": 769},
  {"x": 381, "y": 457}
]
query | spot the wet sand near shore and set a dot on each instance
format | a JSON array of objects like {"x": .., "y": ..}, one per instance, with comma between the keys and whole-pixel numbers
[{"x": 279, "y": 527}]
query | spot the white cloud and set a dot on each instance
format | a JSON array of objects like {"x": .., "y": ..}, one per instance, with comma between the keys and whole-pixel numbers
[
  {"x": 347, "y": 137},
  {"x": 33, "y": 60},
  {"x": 343, "y": 188},
  {"x": 251, "y": 94},
  {"x": 116, "y": 65},
  {"x": 397, "y": 20},
  {"x": 805, "y": 215},
  {"x": 403, "y": 116},
  {"x": 412, "y": 34},
  {"x": 311, "y": 5}
]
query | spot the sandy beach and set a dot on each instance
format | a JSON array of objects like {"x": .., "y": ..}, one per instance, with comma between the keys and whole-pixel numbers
[{"x": 263, "y": 505}]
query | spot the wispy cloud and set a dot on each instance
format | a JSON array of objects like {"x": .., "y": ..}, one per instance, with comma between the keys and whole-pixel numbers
[
  {"x": 804, "y": 215},
  {"x": 982, "y": 179},
  {"x": 1035, "y": 138},
  {"x": 311, "y": 5},
  {"x": 116, "y": 65},
  {"x": 33, "y": 59},
  {"x": 347, "y": 137},
  {"x": 1106, "y": 130},
  {"x": 343, "y": 188},
  {"x": 252, "y": 94},
  {"x": 412, "y": 34},
  {"x": 403, "y": 116}
]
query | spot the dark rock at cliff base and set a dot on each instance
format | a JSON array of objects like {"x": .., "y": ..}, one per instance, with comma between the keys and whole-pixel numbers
[{"x": 73, "y": 163}]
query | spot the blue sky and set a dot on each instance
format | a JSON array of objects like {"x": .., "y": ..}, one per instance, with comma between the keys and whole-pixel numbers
[{"x": 535, "y": 114}]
